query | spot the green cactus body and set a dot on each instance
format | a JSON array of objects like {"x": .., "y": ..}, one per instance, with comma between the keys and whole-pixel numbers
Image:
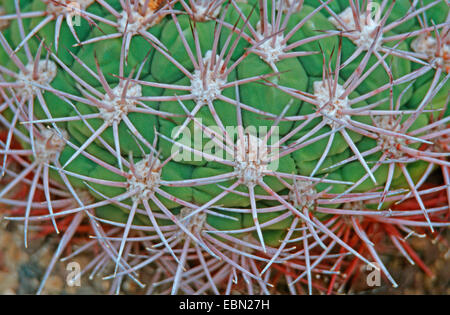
[{"x": 136, "y": 83}]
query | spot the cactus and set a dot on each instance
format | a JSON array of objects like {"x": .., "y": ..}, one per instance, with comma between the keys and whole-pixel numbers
[{"x": 225, "y": 137}]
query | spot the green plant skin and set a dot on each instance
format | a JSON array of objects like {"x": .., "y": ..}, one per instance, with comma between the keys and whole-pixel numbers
[{"x": 298, "y": 73}]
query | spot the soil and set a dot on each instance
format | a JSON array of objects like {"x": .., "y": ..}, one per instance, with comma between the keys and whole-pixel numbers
[{"x": 22, "y": 268}]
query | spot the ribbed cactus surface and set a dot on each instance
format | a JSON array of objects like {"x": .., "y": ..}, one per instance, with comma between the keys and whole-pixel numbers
[{"x": 228, "y": 136}]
